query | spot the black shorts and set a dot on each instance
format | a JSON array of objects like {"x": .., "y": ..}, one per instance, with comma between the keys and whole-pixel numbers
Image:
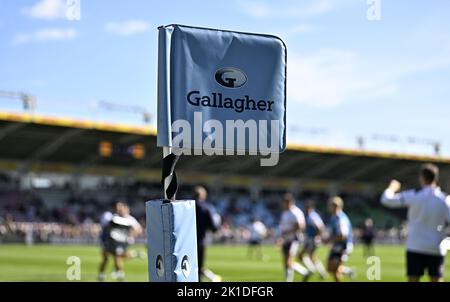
[
  {"x": 367, "y": 240},
  {"x": 254, "y": 242},
  {"x": 339, "y": 252},
  {"x": 114, "y": 247},
  {"x": 417, "y": 263},
  {"x": 290, "y": 248},
  {"x": 310, "y": 245}
]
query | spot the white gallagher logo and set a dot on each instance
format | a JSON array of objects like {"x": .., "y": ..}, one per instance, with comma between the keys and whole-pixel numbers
[{"x": 230, "y": 77}]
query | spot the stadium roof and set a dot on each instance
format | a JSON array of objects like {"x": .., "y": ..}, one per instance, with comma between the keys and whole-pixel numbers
[{"x": 34, "y": 142}]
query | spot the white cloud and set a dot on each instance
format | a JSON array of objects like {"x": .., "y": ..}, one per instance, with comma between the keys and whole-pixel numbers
[
  {"x": 46, "y": 34},
  {"x": 300, "y": 29},
  {"x": 127, "y": 28},
  {"x": 289, "y": 9},
  {"x": 256, "y": 9},
  {"x": 46, "y": 9},
  {"x": 292, "y": 31},
  {"x": 331, "y": 77},
  {"x": 324, "y": 79}
]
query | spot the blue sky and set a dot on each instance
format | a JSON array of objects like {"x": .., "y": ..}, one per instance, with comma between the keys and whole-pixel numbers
[{"x": 347, "y": 76}]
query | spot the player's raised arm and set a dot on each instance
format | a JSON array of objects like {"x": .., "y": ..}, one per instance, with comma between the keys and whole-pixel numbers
[
  {"x": 393, "y": 199},
  {"x": 136, "y": 228}
]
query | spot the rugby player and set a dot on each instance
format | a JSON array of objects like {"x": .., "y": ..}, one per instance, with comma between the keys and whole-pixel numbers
[
  {"x": 314, "y": 230},
  {"x": 258, "y": 232},
  {"x": 207, "y": 220},
  {"x": 292, "y": 224},
  {"x": 428, "y": 214},
  {"x": 341, "y": 237},
  {"x": 367, "y": 237},
  {"x": 118, "y": 229}
]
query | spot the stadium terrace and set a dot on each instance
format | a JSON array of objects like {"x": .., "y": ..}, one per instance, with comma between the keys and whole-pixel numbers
[{"x": 217, "y": 100}]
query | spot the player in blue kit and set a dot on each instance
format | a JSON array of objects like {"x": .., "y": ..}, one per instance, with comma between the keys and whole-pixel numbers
[{"x": 341, "y": 238}]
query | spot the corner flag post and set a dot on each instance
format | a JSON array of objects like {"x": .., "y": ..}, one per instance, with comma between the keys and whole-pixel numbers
[
  {"x": 168, "y": 179},
  {"x": 236, "y": 77},
  {"x": 171, "y": 231}
]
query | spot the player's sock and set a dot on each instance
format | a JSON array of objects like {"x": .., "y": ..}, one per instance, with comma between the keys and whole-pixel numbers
[
  {"x": 118, "y": 275},
  {"x": 211, "y": 276},
  {"x": 320, "y": 269},
  {"x": 309, "y": 264},
  {"x": 289, "y": 275},
  {"x": 141, "y": 254},
  {"x": 217, "y": 278},
  {"x": 348, "y": 271},
  {"x": 133, "y": 254},
  {"x": 101, "y": 277},
  {"x": 300, "y": 269}
]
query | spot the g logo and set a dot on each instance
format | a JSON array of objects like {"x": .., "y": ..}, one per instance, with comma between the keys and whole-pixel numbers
[
  {"x": 185, "y": 266},
  {"x": 159, "y": 266},
  {"x": 230, "y": 77}
]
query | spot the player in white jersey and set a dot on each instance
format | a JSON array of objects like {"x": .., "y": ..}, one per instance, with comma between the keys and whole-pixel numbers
[
  {"x": 292, "y": 224},
  {"x": 314, "y": 231},
  {"x": 428, "y": 214},
  {"x": 118, "y": 230},
  {"x": 258, "y": 232}
]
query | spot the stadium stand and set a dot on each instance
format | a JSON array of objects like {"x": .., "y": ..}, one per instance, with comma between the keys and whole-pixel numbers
[{"x": 58, "y": 175}]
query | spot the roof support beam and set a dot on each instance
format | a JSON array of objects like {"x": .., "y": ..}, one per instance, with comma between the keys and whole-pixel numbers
[
  {"x": 52, "y": 147},
  {"x": 325, "y": 167},
  {"x": 364, "y": 169},
  {"x": 289, "y": 163},
  {"x": 406, "y": 170},
  {"x": 10, "y": 128}
]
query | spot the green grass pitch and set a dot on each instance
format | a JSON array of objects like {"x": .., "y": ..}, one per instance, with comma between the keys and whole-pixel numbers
[{"x": 48, "y": 263}]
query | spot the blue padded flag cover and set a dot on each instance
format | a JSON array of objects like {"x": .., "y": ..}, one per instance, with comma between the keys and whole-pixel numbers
[
  {"x": 225, "y": 75},
  {"x": 172, "y": 241}
]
